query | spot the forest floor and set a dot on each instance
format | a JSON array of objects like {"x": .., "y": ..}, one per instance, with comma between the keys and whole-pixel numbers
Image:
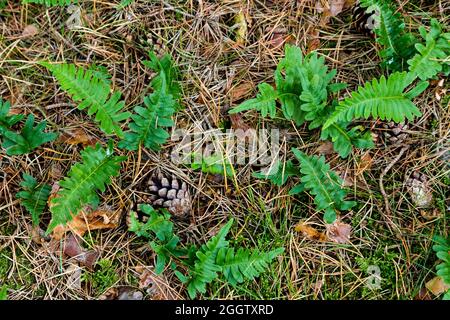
[{"x": 389, "y": 233}]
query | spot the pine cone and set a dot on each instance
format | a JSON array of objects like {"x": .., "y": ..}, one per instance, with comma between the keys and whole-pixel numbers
[
  {"x": 364, "y": 21},
  {"x": 170, "y": 193},
  {"x": 395, "y": 133},
  {"x": 418, "y": 188}
]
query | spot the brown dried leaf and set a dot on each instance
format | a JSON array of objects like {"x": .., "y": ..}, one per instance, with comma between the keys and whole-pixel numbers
[
  {"x": 309, "y": 232},
  {"x": 73, "y": 249},
  {"x": 364, "y": 164},
  {"x": 103, "y": 218},
  {"x": 339, "y": 232},
  {"x": 437, "y": 286},
  {"x": 30, "y": 31},
  {"x": 241, "y": 91},
  {"x": 325, "y": 148},
  {"x": 77, "y": 136}
]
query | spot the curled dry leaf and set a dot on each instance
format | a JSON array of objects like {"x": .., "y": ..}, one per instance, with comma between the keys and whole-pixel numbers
[
  {"x": 364, "y": 164},
  {"x": 241, "y": 91},
  {"x": 437, "y": 286},
  {"x": 73, "y": 249},
  {"x": 339, "y": 232},
  {"x": 309, "y": 232},
  {"x": 77, "y": 136},
  {"x": 157, "y": 286},
  {"x": 102, "y": 218}
]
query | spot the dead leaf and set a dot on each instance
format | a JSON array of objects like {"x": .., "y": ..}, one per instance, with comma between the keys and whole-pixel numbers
[
  {"x": 73, "y": 249},
  {"x": 309, "y": 232},
  {"x": 110, "y": 294},
  {"x": 278, "y": 37},
  {"x": 30, "y": 31},
  {"x": 331, "y": 8},
  {"x": 77, "y": 136},
  {"x": 240, "y": 91},
  {"x": 122, "y": 293},
  {"x": 102, "y": 218},
  {"x": 157, "y": 286},
  {"x": 325, "y": 148},
  {"x": 364, "y": 164},
  {"x": 437, "y": 286},
  {"x": 339, "y": 232}
]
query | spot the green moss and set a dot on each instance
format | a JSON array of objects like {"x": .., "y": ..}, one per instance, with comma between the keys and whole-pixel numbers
[{"x": 103, "y": 278}]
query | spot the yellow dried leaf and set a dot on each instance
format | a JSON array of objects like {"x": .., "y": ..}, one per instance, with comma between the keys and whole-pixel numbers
[
  {"x": 309, "y": 232},
  {"x": 437, "y": 286}
]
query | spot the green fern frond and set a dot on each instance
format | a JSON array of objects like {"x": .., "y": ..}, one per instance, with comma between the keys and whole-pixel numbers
[
  {"x": 51, "y": 2},
  {"x": 442, "y": 249},
  {"x": 384, "y": 99},
  {"x": 33, "y": 197},
  {"x": 265, "y": 102},
  {"x": 28, "y": 139},
  {"x": 245, "y": 263},
  {"x": 398, "y": 45},
  {"x": 205, "y": 269},
  {"x": 149, "y": 123},
  {"x": 214, "y": 164},
  {"x": 7, "y": 120},
  {"x": 92, "y": 93},
  {"x": 159, "y": 224},
  {"x": 83, "y": 180},
  {"x": 432, "y": 56},
  {"x": 323, "y": 183}
]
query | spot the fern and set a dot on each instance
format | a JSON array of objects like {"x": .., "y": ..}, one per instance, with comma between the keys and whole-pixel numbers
[
  {"x": 442, "y": 249},
  {"x": 51, "y": 2},
  {"x": 265, "y": 102},
  {"x": 158, "y": 224},
  {"x": 83, "y": 180},
  {"x": 6, "y": 120},
  {"x": 92, "y": 92},
  {"x": 245, "y": 263},
  {"x": 303, "y": 88},
  {"x": 385, "y": 99},
  {"x": 205, "y": 269},
  {"x": 323, "y": 183},
  {"x": 398, "y": 45},
  {"x": 33, "y": 197},
  {"x": 148, "y": 123},
  {"x": 434, "y": 55},
  {"x": 28, "y": 139}
]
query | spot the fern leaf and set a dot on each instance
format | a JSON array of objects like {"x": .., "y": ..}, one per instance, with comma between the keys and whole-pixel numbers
[
  {"x": 215, "y": 164},
  {"x": 323, "y": 183},
  {"x": 398, "y": 46},
  {"x": 205, "y": 268},
  {"x": 83, "y": 180},
  {"x": 245, "y": 263},
  {"x": 28, "y": 139},
  {"x": 7, "y": 120},
  {"x": 442, "y": 249},
  {"x": 33, "y": 197},
  {"x": 265, "y": 102},
  {"x": 92, "y": 93},
  {"x": 148, "y": 123},
  {"x": 51, "y": 2},
  {"x": 432, "y": 56},
  {"x": 381, "y": 98},
  {"x": 159, "y": 224}
]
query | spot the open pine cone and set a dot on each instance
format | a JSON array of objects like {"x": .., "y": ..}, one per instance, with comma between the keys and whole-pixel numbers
[
  {"x": 395, "y": 133},
  {"x": 170, "y": 193},
  {"x": 364, "y": 21}
]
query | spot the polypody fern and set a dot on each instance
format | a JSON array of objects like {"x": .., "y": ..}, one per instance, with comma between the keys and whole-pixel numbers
[
  {"x": 33, "y": 197},
  {"x": 83, "y": 180},
  {"x": 92, "y": 93}
]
